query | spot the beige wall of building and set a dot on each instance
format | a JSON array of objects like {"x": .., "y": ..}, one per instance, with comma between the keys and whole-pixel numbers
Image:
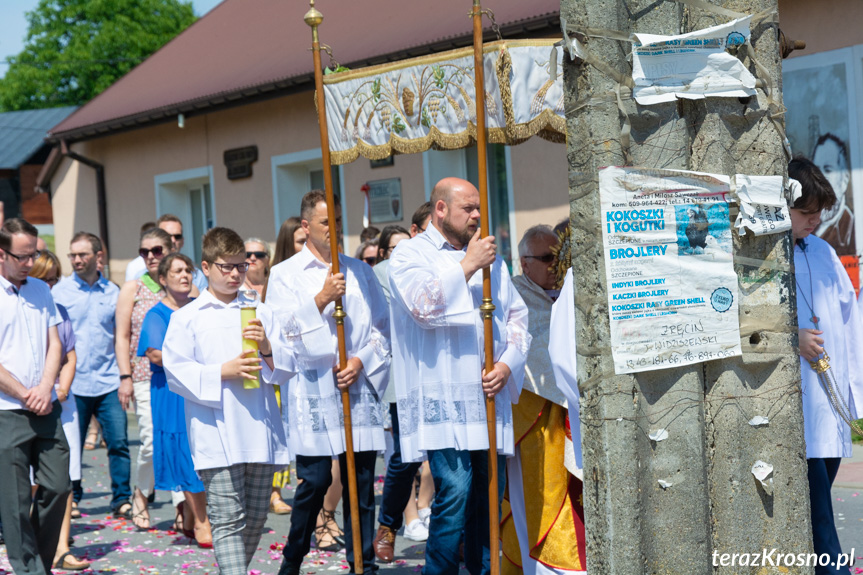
[
  {"x": 137, "y": 161},
  {"x": 824, "y": 25}
]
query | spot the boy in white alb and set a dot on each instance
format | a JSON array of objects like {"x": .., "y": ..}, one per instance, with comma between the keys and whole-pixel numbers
[
  {"x": 235, "y": 434},
  {"x": 829, "y": 324}
]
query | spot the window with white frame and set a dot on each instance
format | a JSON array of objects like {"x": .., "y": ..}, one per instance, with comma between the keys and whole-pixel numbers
[{"x": 188, "y": 194}]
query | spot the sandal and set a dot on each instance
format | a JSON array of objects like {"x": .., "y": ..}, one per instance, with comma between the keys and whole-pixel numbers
[
  {"x": 75, "y": 513},
  {"x": 279, "y": 507},
  {"x": 328, "y": 537},
  {"x": 140, "y": 515},
  {"x": 93, "y": 439},
  {"x": 68, "y": 562},
  {"x": 179, "y": 522},
  {"x": 123, "y": 511}
]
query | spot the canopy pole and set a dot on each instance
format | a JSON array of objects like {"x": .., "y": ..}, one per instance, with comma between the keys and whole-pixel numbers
[
  {"x": 487, "y": 308},
  {"x": 314, "y": 18}
]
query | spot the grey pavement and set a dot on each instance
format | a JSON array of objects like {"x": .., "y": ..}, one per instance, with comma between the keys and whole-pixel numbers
[{"x": 115, "y": 546}]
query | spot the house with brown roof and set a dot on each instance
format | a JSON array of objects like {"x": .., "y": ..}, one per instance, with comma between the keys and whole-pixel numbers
[{"x": 219, "y": 127}]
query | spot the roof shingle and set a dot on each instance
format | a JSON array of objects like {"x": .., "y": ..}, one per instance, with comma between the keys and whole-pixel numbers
[{"x": 244, "y": 46}]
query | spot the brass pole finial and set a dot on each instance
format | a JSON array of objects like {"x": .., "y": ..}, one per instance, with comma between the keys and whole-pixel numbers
[{"x": 313, "y": 18}]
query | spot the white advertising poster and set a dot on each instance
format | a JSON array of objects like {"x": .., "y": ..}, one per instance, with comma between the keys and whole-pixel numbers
[
  {"x": 672, "y": 290},
  {"x": 692, "y": 66}
]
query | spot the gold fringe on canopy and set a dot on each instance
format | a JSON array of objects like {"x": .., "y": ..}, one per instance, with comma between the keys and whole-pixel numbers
[{"x": 425, "y": 103}]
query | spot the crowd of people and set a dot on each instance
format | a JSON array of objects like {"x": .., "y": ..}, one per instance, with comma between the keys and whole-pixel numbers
[{"x": 222, "y": 426}]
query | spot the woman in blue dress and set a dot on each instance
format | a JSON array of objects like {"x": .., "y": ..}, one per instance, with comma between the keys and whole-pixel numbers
[{"x": 172, "y": 458}]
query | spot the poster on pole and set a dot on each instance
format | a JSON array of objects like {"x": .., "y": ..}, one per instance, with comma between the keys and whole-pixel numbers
[{"x": 672, "y": 290}]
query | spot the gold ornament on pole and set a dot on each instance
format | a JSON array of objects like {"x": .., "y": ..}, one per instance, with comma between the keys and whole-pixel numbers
[{"x": 314, "y": 19}]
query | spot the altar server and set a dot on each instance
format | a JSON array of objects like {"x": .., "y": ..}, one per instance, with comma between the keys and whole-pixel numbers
[
  {"x": 302, "y": 291},
  {"x": 235, "y": 434},
  {"x": 828, "y": 322},
  {"x": 436, "y": 292}
]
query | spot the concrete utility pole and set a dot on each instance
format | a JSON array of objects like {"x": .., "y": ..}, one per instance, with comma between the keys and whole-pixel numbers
[{"x": 715, "y": 503}]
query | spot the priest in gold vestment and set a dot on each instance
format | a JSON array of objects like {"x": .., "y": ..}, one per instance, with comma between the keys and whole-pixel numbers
[{"x": 542, "y": 524}]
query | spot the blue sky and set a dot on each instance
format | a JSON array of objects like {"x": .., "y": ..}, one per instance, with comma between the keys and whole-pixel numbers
[{"x": 13, "y": 25}]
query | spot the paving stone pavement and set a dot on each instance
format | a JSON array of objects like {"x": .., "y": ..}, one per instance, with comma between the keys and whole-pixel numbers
[{"x": 115, "y": 546}]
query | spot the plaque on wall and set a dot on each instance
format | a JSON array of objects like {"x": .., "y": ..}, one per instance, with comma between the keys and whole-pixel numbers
[
  {"x": 385, "y": 201},
  {"x": 239, "y": 161}
]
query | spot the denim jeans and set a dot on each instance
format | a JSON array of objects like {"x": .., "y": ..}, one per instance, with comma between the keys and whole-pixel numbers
[
  {"x": 110, "y": 415},
  {"x": 822, "y": 472},
  {"x": 398, "y": 483},
  {"x": 460, "y": 504}
]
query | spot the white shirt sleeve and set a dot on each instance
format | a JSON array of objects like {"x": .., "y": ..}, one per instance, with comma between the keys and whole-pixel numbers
[
  {"x": 197, "y": 382},
  {"x": 376, "y": 354},
  {"x": 434, "y": 292},
  {"x": 304, "y": 330},
  {"x": 518, "y": 338}
]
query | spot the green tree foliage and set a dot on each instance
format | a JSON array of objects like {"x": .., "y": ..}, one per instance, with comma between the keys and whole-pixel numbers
[{"x": 75, "y": 49}]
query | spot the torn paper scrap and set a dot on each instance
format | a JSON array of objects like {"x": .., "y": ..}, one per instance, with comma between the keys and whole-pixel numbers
[
  {"x": 658, "y": 434},
  {"x": 758, "y": 420},
  {"x": 665, "y": 484},
  {"x": 693, "y": 65},
  {"x": 763, "y": 209},
  {"x": 762, "y": 472}
]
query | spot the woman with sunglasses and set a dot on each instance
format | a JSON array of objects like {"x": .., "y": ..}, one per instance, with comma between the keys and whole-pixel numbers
[
  {"x": 47, "y": 268},
  {"x": 368, "y": 252},
  {"x": 172, "y": 457},
  {"x": 136, "y": 299},
  {"x": 258, "y": 258}
]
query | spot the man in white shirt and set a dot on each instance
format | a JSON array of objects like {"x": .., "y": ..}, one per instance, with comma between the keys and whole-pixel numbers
[
  {"x": 438, "y": 362},
  {"x": 302, "y": 291},
  {"x": 30, "y": 427}
]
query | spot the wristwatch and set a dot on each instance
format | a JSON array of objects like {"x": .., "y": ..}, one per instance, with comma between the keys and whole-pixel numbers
[{"x": 125, "y": 376}]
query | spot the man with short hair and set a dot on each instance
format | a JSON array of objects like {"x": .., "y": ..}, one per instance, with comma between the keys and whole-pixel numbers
[
  {"x": 91, "y": 301},
  {"x": 174, "y": 226},
  {"x": 303, "y": 290},
  {"x": 546, "y": 524},
  {"x": 421, "y": 218},
  {"x": 30, "y": 427},
  {"x": 441, "y": 384}
]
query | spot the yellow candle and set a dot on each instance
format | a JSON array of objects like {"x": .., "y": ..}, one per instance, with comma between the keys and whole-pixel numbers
[{"x": 246, "y": 315}]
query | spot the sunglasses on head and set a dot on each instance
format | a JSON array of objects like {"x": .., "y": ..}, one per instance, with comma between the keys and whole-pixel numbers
[
  {"x": 157, "y": 251},
  {"x": 546, "y": 259},
  {"x": 258, "y": 255}
]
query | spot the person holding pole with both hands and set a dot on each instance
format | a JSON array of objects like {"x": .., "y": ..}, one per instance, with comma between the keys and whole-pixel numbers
[
  {"x": 303, "y": 291},
  {"x": 438, "y": 358}
]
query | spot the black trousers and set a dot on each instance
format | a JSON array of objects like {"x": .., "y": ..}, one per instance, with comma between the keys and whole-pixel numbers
[
  {"x": 38, "y": 441},
  {"x": 316, "y": 473},
  {"x": 822, "y": 472}
]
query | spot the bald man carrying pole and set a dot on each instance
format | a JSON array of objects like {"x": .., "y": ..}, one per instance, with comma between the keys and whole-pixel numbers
[{"x": 438, "y": 347}]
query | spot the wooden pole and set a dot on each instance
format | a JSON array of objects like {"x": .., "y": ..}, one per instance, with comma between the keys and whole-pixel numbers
[
  {"x": 314, "y": 18},
  {"x": 487, "y": 307}
]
